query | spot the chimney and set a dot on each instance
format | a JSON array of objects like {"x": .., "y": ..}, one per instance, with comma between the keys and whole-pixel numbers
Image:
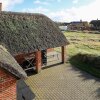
[{"x": 0, "y": 6}]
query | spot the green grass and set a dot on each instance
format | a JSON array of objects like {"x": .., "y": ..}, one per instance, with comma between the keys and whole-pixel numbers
[
  {"x": 73, "y": 49},
  {"x": 82, "y": 36},
  {"x": 85, "y": 43}
]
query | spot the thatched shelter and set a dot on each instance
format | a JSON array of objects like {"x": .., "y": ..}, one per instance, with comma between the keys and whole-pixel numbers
[
  {"x": 8, "y": 63},
  {"x": 26, "y": 32},
  {"x": 22, "y": 33}
]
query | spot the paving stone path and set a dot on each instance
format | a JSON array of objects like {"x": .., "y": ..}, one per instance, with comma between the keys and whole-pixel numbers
[{"x": 64, "y": 82}]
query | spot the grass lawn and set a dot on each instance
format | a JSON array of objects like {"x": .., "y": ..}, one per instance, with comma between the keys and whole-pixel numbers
[{"x": 84, "y": 43}]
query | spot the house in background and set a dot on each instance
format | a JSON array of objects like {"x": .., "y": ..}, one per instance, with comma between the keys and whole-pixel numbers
[{"x": 79, "y": 25}]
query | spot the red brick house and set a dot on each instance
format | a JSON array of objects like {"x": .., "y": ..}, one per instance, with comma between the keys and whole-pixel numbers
[{"x": 10, "y": 73}]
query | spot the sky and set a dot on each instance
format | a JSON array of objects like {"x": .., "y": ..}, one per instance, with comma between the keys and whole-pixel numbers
[{"x": 57, "y": 10}]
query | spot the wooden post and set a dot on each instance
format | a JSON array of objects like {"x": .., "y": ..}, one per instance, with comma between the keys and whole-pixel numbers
[
  {"x": 0, "y": 6},
  {"x": 63, "y": 54},
  {"x": 38, "y": 61}
]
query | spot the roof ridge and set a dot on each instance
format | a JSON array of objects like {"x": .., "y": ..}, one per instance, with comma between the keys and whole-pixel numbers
[{"x": 22, "y": 13}]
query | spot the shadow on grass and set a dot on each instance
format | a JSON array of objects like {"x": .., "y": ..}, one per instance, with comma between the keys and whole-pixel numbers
[
  {"x": 86, "y": 73},
  {"x": 84, "y": 63}
]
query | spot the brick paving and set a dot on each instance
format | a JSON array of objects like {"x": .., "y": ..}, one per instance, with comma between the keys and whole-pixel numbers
[{"x": 63, "y": 82}]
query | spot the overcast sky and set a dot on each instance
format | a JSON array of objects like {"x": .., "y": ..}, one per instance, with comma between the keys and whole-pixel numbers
[{"x": 57, "y": 10}]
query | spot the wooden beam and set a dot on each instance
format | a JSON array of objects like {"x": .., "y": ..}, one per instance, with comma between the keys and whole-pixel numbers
[
  {"x": 38, "y": 61},
  {"x": 63, "y": 54}
]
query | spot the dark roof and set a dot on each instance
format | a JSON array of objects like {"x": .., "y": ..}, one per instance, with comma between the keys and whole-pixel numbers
[
  {"x": 24, "y": 92},
  {"x": 78, "y": 22},
  {"x": 8, "y": 63},
  {"x": 26, "y": 32}
]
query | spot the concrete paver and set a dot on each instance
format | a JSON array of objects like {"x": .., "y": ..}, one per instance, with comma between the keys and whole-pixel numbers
[{"x": 63, "y": 82}]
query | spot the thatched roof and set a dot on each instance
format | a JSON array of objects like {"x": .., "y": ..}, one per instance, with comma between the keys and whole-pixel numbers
[
  {"x": 8, "y": 63},
  {"x": 26, "y": 32}
]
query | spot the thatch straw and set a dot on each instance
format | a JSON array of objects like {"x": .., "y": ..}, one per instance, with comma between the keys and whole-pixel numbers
[
  {"x": 8, "y": 63},
  {"x": 26, "y": 32}
]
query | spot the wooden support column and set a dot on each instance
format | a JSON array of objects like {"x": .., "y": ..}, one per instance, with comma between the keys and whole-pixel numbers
[
  {"x": 38, "y": 61},
  {"x": 63, "y": 54}
]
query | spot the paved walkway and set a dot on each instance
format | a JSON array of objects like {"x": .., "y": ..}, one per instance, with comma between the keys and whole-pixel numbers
[{"x": 63, "y": 82}]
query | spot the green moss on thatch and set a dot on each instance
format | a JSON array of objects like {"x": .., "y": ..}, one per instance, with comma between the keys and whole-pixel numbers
[{"x": 24, "y": 32}]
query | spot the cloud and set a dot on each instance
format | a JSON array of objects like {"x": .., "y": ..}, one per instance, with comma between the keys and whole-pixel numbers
[
  {"x": 40, "y": 2},
  {"x": 75, "y": 1},
  {"x": 65, "y": 15},
  {"x": 7, "y": 4},
  {"x": 87, "y": 12},
  {"x": 36, "y": 10}
]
